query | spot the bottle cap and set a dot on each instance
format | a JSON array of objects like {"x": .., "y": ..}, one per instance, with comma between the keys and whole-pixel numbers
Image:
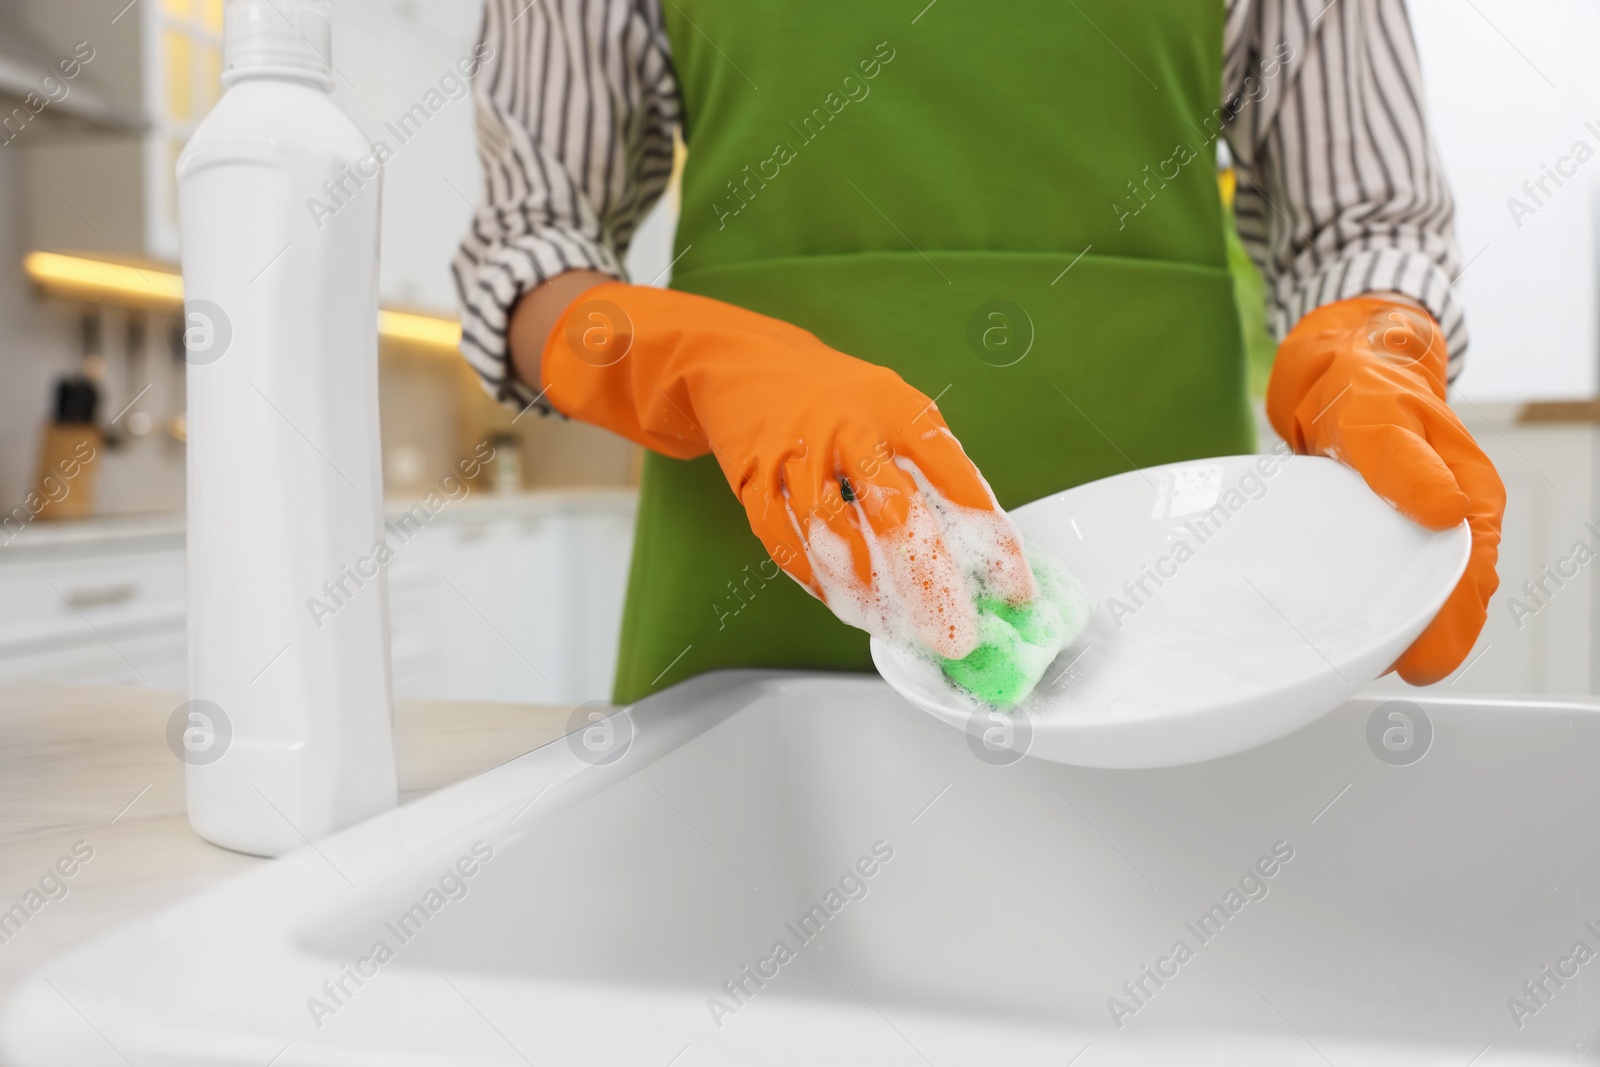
[{"x": 278, "y": 38}]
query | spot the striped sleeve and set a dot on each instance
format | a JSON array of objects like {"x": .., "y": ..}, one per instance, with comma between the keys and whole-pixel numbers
[
  {"x": 576, "y": 104},
  {"x": 1341, "y": 191}
]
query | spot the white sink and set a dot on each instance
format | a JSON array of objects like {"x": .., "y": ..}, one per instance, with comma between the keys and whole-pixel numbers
[{"x": 1016, "y": 903}]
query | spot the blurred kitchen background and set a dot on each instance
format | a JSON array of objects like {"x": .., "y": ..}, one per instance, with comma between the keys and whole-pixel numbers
[{"x": 513, "y": 592}]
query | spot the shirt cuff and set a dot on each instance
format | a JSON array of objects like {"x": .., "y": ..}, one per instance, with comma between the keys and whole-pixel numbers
[
  {"x": 490, "y": 285},
  {"x": 1414, "y": 274}
]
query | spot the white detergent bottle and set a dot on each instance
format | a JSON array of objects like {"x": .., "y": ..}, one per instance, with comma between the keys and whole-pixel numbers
[{"x": 287, "y": 733}]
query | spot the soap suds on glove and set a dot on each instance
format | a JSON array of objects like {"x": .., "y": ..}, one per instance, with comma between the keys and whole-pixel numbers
[
  {"x": 929, "y": 574},
  {"x": 918, "y": 593},
  {"x": 946, "y": 583}
]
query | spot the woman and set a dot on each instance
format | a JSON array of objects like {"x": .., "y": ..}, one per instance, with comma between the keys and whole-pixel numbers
[{"x": 1005, "y": 217}]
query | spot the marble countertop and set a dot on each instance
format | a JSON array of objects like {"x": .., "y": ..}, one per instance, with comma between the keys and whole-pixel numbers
[{"x": 90, "y": 769}]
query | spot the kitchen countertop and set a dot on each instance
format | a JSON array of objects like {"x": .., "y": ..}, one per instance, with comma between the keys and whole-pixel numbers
[{"x": 91, "y": 765}]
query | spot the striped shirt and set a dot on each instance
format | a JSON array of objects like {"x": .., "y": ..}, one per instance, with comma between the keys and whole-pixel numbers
[{"x": 1340, "y": 189}]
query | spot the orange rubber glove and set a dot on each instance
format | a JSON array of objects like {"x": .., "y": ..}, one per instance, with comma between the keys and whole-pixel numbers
[
  {"x": 1363, "y": 381},
  {"x": 849, "y": 476}
]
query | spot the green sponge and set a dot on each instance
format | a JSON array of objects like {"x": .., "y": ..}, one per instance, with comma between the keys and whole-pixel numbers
[{"x": 1017, "y": 642}]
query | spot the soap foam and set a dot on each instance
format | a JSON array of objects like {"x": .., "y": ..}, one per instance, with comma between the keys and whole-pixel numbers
[
  {"x": 985, "y": 543},
  {"x": 928, "y": 575}
]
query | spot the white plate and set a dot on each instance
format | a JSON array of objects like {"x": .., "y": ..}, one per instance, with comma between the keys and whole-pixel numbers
[{"x": 1236, "y": 599}]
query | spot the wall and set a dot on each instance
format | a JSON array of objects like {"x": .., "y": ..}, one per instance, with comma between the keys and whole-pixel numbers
[
  {"x": 1510, "y": 87},
  {"x": 387, "y": 55}
]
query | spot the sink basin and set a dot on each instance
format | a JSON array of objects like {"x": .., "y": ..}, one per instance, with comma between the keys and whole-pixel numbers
[{"x": 788, "y": 869}]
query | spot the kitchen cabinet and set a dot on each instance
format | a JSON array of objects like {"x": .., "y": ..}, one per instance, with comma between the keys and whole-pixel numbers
[
  {"x": 98, "y": 603},
  {"x": 511, "y": 607},
  {"x": 500, "y": 599}
]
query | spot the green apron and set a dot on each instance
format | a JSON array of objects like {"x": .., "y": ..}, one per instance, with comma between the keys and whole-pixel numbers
[{"x": 1013, "y": 205}]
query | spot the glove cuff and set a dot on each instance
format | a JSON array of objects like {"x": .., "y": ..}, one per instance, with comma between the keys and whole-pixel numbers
[
  {"x": 1400, "y": 340},
  {"x": 611, "y": 360}
]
